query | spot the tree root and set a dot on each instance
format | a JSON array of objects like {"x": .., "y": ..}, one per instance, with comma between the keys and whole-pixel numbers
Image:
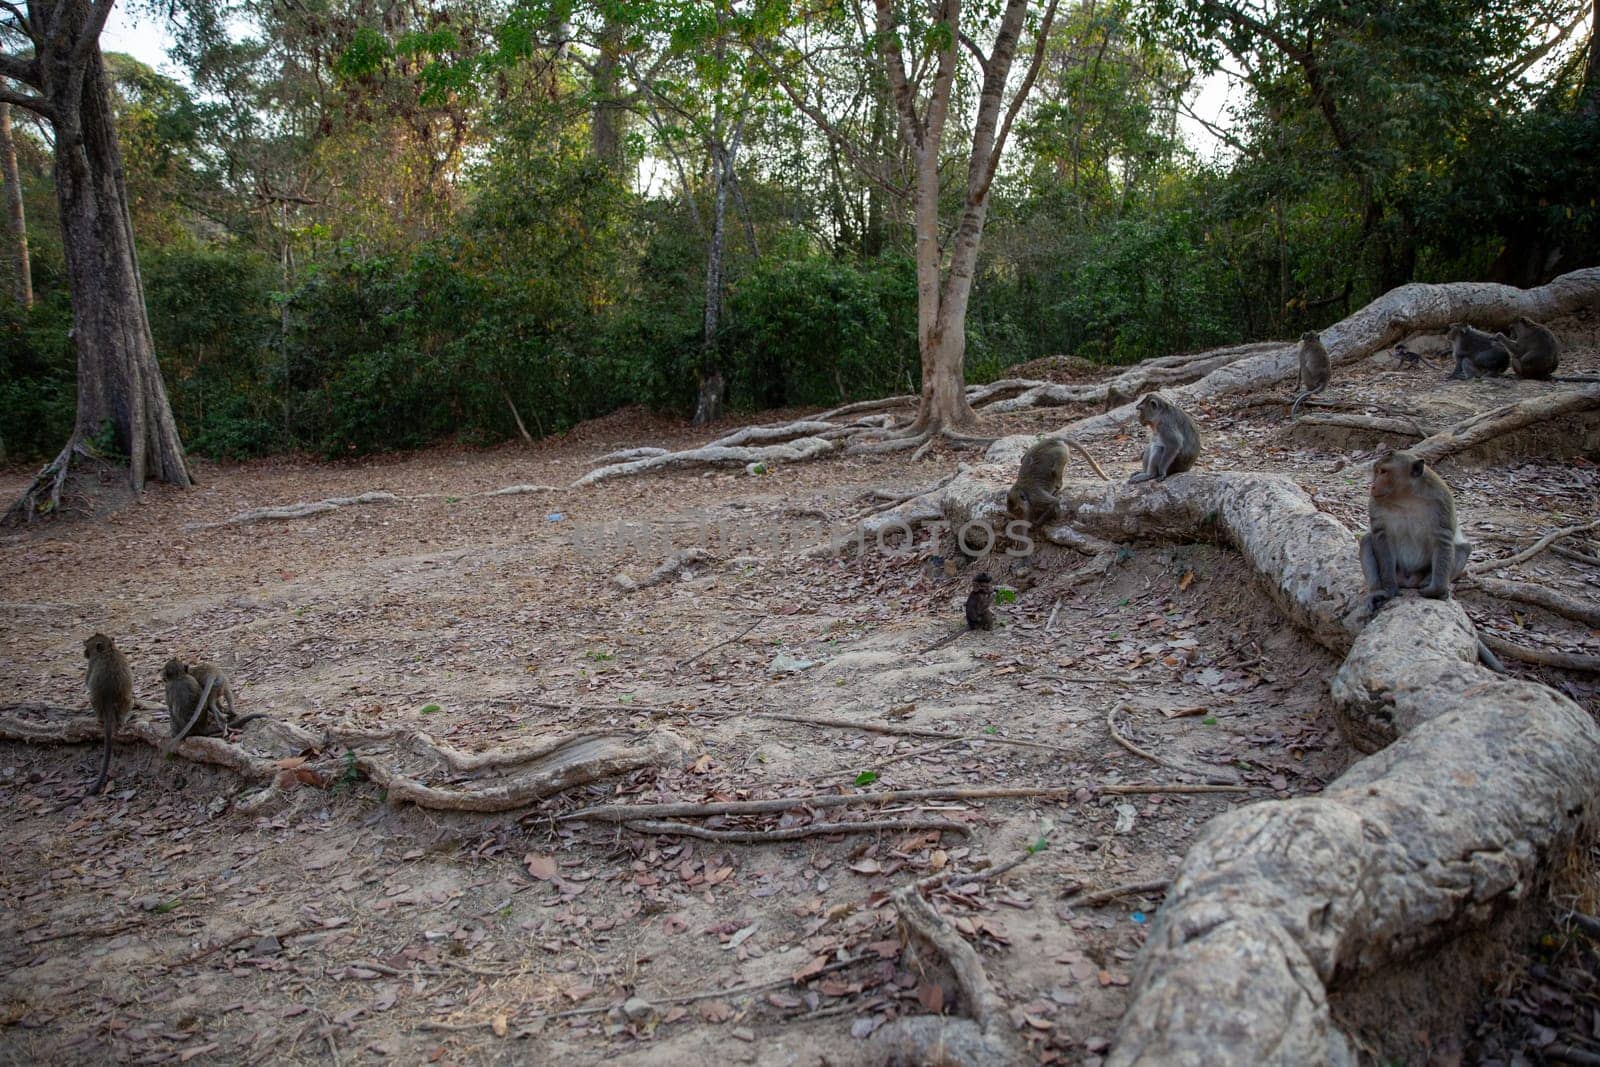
[
  {"x": 822, "y": 723},
  {"x": 1397, "y": 426},
  {"x": 296, "y": 511},
  {"x": 1534, "y": 549},
  {"x": 517, "y": 490},
  {"x": 795, "y": 833},
  {"x": 921, "y": 1040},
  {"x": 43, "y": 495},
  {"x": 716, "y": 455},
  {"x": 1542, "y": 657},
  {"x": 1506, "y": 419},
  {"x": 395, "y": 759},
  {"x": 684, "y": 810},
  {"x": 670, "y": 568},
  {"x": 1584, "y": 611}
]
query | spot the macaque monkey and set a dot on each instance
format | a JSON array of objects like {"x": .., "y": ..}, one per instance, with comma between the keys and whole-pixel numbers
[
  {"x": 1314, "y": 369},
  {"x": 1477, "y": 354},
  {"x": 1535, "y": 352},
  {"x": 1412, "y": 541},
  {"x": 980, "y": 611},
  {"x": 1405, "y": 357},
  {"x": 1034, "y": 498},
  {"x": 110, "y": 685},
  {"x": 199, "y": 701},
  {"x": 1174, "y": 441}
]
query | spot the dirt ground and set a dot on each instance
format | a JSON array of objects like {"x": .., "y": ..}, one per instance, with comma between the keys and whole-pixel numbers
[{"x": 156, "y": 923}]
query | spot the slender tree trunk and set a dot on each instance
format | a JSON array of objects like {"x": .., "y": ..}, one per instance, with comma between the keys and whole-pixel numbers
[
  {"x": 605, "y": 133},
  {"x": 23, "y": 288},
  {"x": 708, "y": 408}
]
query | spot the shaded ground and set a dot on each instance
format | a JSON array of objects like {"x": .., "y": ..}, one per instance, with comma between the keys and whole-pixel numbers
[{"x": 154, "y": 924}]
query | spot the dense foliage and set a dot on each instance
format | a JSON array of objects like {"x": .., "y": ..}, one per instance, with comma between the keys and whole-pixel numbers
[{"x": 384, "y": 225}]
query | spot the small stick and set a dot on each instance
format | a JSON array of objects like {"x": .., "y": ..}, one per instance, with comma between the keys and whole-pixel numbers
[
  {"x": 1210, "y": 773},
  {"x": 1105, "y": 896},
  {"x": 1050, "y": 623},
  {"x": 901, "y": 731},
  {"x": 795, "y": 833},
  {"x": 1534, "y": 549},
  {"x": 719, "y": 644}
]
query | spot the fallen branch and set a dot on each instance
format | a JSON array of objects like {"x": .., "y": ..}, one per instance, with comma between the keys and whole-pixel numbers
[
  {"x": 683, "y": 810},
  {"x": 1541, "y": 657},
  {"x": 900, "y": 731},
  {"x": 671, "y": 567},
  {"x": 1534, "y": 549},
  {"x": 297, "y": 511},
  {"x": 1105, "y": 896},
  {"x": 1220, "y": 775},
  {"x": 795, "y": 833}
]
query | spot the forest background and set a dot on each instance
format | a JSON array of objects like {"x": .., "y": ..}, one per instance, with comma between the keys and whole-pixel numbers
[{"x": 375, "y": 224}]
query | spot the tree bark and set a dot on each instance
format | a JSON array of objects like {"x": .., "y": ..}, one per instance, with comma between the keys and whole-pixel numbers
[
  {"x": 605, "y": 131},
  {"x": 23, "y": 286}
]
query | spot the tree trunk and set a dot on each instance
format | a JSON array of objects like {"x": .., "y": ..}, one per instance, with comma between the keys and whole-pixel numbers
[
  {"x": 119, "y": 380},
  {"x": 23, "y": 288},
  {"x": 605, "y": 132}
]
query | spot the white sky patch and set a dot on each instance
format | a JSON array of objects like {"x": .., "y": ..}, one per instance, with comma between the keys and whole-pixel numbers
[{"x": 144, "y": 37}]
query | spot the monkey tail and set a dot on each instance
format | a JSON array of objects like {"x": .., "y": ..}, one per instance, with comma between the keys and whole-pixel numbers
[
  {"x": 1489, "y": 659},
  {"x": 109, "y": 722},
  {"x": 1076, "y": 447},
  {"x": 234, "y": 724}
]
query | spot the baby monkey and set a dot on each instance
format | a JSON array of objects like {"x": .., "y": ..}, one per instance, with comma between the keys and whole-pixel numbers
[
  {"x": 1477, "y": 354},
  {"x": 110, "y": 685},
  {"x": 1174, "y": 441},
  {"x": 980, "y": 603},
  {"x": 1314, "y": 369}
]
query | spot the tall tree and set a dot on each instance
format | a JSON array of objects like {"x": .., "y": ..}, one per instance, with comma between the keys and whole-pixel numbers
[
  {"x": 16, "y": 220},
  {"x": 52, "y": 49},
  {"x": 918, "y": 49}
]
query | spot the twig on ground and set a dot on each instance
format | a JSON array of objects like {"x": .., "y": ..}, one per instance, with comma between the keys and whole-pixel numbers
[
  {"x": 795, "y": 833},
  {"x": 1584, "y": 611},
  {"x": 1220, "y": 774},
  {"x": 720, "y": 644},
  {"x": 1105, "y": 896},
  {"x": 1567, "y": 661}
]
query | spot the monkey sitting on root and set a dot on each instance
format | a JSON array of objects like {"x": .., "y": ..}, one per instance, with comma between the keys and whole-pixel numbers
[
  {"x": 1174, "y": 440},
  {"x": 199, "y": 701},
  {"x": 1035, "y": 496},
  {"x": 1412, "y": 540},
  {"x": 1314, "y": 369}
]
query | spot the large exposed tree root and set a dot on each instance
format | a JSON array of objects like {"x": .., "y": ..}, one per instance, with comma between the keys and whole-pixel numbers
[
  {"x": 1398, "y": 314},
  {"x": 44, "y": 494},
  {"x": 296, "y": 511},
  {"x": 1486, "y": 780},
  {"x": 408, "y": 764}
]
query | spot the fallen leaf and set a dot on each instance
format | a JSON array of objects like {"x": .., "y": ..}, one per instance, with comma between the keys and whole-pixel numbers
[
  {"x": 499, "y": 1026},
  {"x": 541, "y": 867}
]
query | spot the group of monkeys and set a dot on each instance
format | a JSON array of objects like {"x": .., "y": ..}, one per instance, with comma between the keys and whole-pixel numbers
[
  {"x": 199, "y": 698},
  {"x": 1412, "y": 540}
]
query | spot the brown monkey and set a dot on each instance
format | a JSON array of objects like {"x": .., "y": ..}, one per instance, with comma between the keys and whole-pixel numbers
[
  {"x": 1477, "y": 354},
  {"x": 1034, "y": 496},
  {"x": 189, "y": 704},
  {"x": 980, "y": 611},
  {"x": 1535, "y": 352},
  {"x": 1412, "y": 541},
  {"x": 186, "y": 685},
  {"x": 1174, "y": 441},
  {"x": 1314, "y": 368},
  {"x": 110, "y": 685}
]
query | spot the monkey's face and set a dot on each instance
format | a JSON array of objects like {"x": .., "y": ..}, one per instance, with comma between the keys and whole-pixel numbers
[
  {"x": 1456, "y": 331},
  {"x": 1150, "y": 406},
  {"x": 1393, "y": 473},
  {"x": 1309, "y": 336},
  {"x": 175, "y": 668},
  {"x": 97, "y": 645}
]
